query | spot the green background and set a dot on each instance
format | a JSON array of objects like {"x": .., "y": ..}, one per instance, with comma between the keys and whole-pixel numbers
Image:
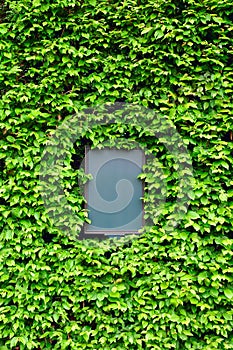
[{"x": 160, "y": 291}]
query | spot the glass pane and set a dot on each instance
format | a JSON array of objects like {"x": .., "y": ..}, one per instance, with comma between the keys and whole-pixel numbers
[{"x": 114, "y": 194}]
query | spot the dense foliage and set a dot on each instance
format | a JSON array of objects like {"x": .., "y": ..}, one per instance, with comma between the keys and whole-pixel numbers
[{"x": 163, "y": 290}]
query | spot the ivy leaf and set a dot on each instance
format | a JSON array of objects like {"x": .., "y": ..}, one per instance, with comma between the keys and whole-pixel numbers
[
  {"x": 193, "y": 215},
  {"x": 228, "y": 293}
]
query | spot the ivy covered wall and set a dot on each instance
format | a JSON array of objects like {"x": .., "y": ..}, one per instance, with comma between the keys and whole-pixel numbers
[{"x": 163, "y": 290}]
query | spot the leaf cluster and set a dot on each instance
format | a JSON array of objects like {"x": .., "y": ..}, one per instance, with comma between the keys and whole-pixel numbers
[{"x": 161, "y": 290}]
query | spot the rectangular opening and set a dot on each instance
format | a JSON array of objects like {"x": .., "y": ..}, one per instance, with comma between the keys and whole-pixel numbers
[{"x": 114, "y": 195}]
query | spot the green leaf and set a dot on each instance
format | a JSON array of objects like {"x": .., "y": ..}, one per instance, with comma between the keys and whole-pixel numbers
[
  {"x": 158, "y": 34},
  {"x": 36, "y": 3},
  {"x": 146, "y": 30},
  {"x": 10, "y": 138},
  {"x": 193, "y": 215},
  {"x": 228, "y": 293}
]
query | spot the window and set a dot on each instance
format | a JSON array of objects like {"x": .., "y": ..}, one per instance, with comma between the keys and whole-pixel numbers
[{"x": 114, "y": 195}]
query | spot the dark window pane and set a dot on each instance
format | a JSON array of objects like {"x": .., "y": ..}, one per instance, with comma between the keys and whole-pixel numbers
[{"x": 114, "y": 194}]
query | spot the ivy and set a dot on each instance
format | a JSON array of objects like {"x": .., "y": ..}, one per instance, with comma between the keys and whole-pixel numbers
[{"x": 163, "y": 289}]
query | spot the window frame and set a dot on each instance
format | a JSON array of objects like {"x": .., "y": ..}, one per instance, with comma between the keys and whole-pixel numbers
[{"x": 103, "y": 234}]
